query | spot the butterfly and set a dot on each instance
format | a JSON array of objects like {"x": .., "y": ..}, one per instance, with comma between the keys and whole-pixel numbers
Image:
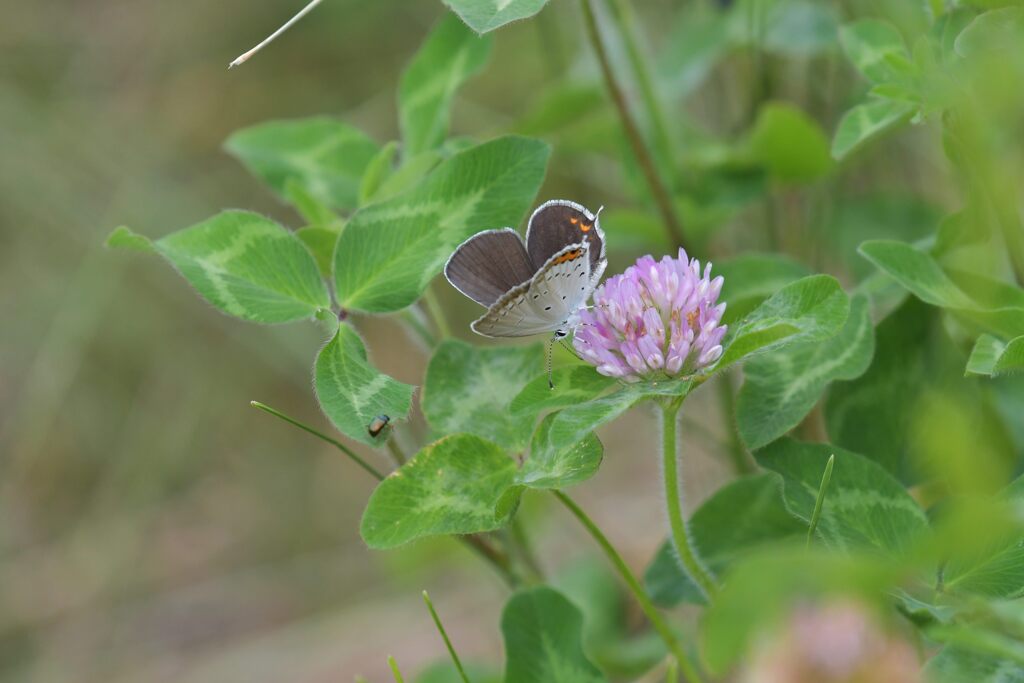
[{"x": 537, "y": 286}]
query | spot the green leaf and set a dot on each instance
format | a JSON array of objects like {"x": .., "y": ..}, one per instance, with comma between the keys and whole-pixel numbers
[
  {"x": 992, "y": 357},
  {"x": 408, "y": 175},
  {"x": 124, "y": 237},
  {"x": 324, "y": 156},
  {"x": 572, "y": 385},
  {"x": 1000, "y": 29},
  {"x": 738, "y": 518},
  {"x": 866, "y": 121},
  {"x": 380, "y": 168},
  {"x": 244, "y": 264},
  {"x": 958, "y": 665},
  {"x": 543, "y": 639},
  {"x": 487, "y": 15},
  {"x": 313, "y": 211},
  {"x": 391, "y": 250},
  {"x": 865, "y": 506},
  {"x": 883, "y": 397},
  {"x": 351, "y": 391},
  {"x": 780, "y": 388},
  {"x": 871, "y": 45},
  {"x": 445, "y": 672},
  {"x": 448, "y": 58},
  {"x": 994, "y": 568},
  {"x": 811, "y": 309},
  {"x": 572, "y": 425},
  {"x": 450, "y": 487},
  {"x": 789, "y": 143},
  {"x": 469, "y": 389},
  {"x": 321, "y": 243},
  {"x": 921, "y": 274},
  {"x": 751, "y": 278},
  {"x": 551, "y": 467}
]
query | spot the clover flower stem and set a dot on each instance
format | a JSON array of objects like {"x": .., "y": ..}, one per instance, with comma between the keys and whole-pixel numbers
[
  {"x": 635, "y": 587},
  {"x": 437, "y": 314},
  {"x": 687, "y": 554},
  {"x": 444, "y": 636},
  {"x": 643, "y": 156}
]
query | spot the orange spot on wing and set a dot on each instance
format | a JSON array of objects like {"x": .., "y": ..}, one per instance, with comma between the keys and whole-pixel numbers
[
  {"x": 568, "y": 256},
  {"x": 585, "y": 227},
  {"x": 574, "y": 220}
]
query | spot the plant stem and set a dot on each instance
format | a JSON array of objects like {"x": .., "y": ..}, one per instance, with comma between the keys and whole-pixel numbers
[
  {"x": 636, "y": 141},
  {"x": 243, "y": 58},
  {"x": 436, "y": 313},
  {"x": 822, "y": 489},
  {"x": 525, "y": 548},
  {"x": 444, "y": 635},
  {"x": 396, "y": 452},
  {"x": 737, "y": 453},
  {"x": 685, "y": 551},
  {"x": 496, "y": 558},
  {"x": 653, "y": 615},
  {"x": 623, "y": 15},
  {"x": 334, "y": 442},
  {"x": 394, "y": 670}
]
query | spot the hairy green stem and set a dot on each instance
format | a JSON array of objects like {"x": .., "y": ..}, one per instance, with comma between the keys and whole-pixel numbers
[
  {"x": 395, "y": 670},
  {"x": 685, "y": 551},
  {"x": 444, "y": 635},
  {"x": 634, "y": 585},
  {"x": 643, "y": 156},
  {"x": 622, "y": 14}
]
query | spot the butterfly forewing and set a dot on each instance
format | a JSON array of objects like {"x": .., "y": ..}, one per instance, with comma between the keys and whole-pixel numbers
[
  {"x": 489, "y": 264},
  {"x": 560, "y": 223}
]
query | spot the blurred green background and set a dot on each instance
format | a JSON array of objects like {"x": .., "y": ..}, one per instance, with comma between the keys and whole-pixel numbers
[{"x": 153, "y": 526}]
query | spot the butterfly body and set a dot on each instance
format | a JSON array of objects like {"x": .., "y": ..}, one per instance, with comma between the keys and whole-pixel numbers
[{"x": 537, "y": 286}]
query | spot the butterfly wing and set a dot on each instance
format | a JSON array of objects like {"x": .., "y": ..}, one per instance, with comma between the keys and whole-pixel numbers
[
  {"x": 543, "y": 304},
  {"x": 559, "y": 223},
  {"x": 489, "y": 264}
]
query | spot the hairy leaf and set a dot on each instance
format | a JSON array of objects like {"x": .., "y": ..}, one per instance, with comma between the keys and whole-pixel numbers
[
  {"x": 871, "y": 46},
  {"x": 543, "y": 639},
  {"x": 244, "y": 264},
  {"x": 450, "y": 487},
  {"x": 550, "y": 467},
  {"x": 782, "y": 386},
  {"x": 351, "y": 391},
  {"x": 324, "y": 156},
  {"x": 992, "y": 357},
  {"x": 391, "y": 250},
  {"x": 865, "y": 507},
  {"x": 446, "y": 60},
  {"x": 751, "y": 278},
  {"x": 469, "y": 389},
  {"x": 810, "y": 309},
  {"x": 866, "y": 121},
  {"x": 486, "y": 15}
]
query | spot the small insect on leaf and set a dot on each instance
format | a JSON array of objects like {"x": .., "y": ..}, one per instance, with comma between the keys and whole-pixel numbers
[{"x": 377, "y": 425}]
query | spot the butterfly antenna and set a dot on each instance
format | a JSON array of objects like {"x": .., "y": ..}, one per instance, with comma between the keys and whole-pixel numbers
[{"x": 551, "y": 384}]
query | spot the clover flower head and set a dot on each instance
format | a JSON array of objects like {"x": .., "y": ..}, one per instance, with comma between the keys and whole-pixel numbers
[{"x": 657, "y": 319}]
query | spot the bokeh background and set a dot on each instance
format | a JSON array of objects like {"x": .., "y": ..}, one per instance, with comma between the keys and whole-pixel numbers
[{"x": 153, "y": 526}]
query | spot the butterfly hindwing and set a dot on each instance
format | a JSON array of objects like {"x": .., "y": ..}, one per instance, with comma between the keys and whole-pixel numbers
[
  {"x": 489, "y": 264},
  {"x": 559, "y": 223},
  {"x": 543, "y": 304}
]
